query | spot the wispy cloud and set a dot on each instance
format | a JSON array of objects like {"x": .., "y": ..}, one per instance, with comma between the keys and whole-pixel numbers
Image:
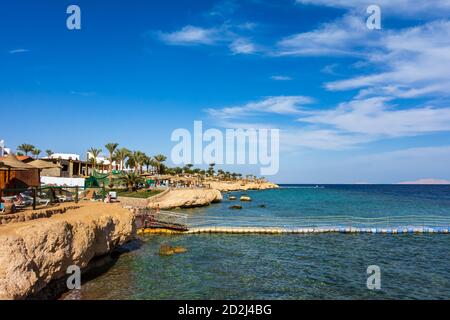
[
  {"x": 83, "y": 93},
  {"x": 285, "y": 105},
  {"x": 416, "y": 62},
  {"x": 376, "y": 119},
  {"x": 223, "y": 8},
  {"x": 281, "y": 78},
  {"x": 18, "y": 51},
  {"x": 223, "y": 35},
  {"x": 439, "y": 8},
  {"x": 341, "y": 37},
  {"x": 190, "y": 35},
  {"x": 330, "y": 69},
  {"x": 243, "y": 46}
]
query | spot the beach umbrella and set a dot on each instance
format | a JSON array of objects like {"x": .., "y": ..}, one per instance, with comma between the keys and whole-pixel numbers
[
  {"x": 41, "y": 164},
  {"x": 14, "y": 164},
  {"x": 3, "y": 167},
  {"x": 11, "y": 163}
]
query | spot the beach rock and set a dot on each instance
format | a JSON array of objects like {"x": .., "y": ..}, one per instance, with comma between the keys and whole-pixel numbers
[
  {"x": 34, "y": 253},
  {"x": 179, "y": 249},
  {"x": 167, "y": 250},
  {"x": 262, "y": 206},
  {"x": 241, "y": 185},
  {"x": 186, "y": 198},
  {"x": 236, "y": 207}
]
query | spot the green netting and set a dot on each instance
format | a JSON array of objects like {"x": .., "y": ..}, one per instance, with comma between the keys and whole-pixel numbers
[
  {"x": 91, "y": 182},
  {"x": 98, "y": 179}
]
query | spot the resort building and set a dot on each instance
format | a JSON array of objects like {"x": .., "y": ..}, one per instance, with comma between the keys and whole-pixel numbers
[
  {"x": 102, "y": 162},
  {"x": 70, "y": 166},
  {"x": 3, "y": 151}
]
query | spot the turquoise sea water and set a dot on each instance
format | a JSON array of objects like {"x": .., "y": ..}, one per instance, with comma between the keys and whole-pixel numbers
[{"x": 323, "y": 266}]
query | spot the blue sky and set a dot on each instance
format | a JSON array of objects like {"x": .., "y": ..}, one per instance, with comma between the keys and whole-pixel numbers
[{"x": 353, "y": 105}]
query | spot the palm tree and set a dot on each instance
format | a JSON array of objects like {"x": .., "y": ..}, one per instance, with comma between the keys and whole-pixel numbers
[
  {"x": 150, "y": 162},
  {"x": 187, "y": 169},
  {"x": 121, "y": 155},
  {"x": 111, "y": 147},
  {"x": 131, "y": 179},
  {"x": 36, "y": 152},
  {"x": 26, "y": 148},
  {"x": 160, "y": 159},
  {"x": 49, "y": 153},
  {"x": 178, "y": 170},
  {"x": 211, "y": 169},
  {"x": 136, "y": 160},
  {"x": 94, "y": 153}
]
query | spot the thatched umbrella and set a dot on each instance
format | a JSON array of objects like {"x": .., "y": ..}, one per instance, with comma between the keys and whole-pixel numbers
[
  {"x": 11, "y": 163},
  {"x": 41, "y": 164},
  {"x": 3, "y": 167},
  {"x": 15, "y": 164}
]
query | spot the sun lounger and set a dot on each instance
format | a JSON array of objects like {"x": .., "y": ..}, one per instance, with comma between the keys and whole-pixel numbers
[{"x": 65, "y": 198}]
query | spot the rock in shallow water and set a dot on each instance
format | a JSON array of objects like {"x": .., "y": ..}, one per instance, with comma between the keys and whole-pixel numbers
[{"x": 167, "y": 250}]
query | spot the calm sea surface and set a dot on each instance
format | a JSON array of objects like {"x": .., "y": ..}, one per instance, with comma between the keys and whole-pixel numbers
[{"x": 323, "y": 266}]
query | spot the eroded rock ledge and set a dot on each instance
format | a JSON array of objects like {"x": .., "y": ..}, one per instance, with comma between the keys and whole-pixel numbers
[
  {"x": 227, "y": 186},
  {"x": 185, "y": 198},
  {"x": 33, "y": 253}
]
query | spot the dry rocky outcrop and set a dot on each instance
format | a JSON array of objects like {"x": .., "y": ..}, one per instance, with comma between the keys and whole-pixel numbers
[{"x": 34, "y": 253}]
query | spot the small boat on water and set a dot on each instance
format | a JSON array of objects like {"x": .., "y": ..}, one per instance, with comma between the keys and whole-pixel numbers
[
  {"x": 232, "y": 198},
  {"x": 245, "y": 198}
]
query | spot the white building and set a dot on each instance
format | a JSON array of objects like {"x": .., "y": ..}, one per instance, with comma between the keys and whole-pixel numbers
[
  {"x": 65, "y": 156},
  {"x": 3, "y": 151},
  {"x": 100, "y": 160}
]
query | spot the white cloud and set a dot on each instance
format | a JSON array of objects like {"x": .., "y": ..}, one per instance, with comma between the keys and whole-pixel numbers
[
  {"x": 416, "y": 62},
  {"x": 276, "y": 105},
  {"x": 18, "y": 51},
  {"x": 390, "y": 7},
  {"x": 376, "y": 119},
  {"x": 321, "y": 139},
  {"x": 330, "y": 69},
  {"x": 342, "y": 37},
  {"x": 281, "y": 78},
  {"x": 242, "y": 46},
  {"x": 348, "y": 125},
  {"x": 189, "y": 35},
  {"x": 223, "y": 35}
]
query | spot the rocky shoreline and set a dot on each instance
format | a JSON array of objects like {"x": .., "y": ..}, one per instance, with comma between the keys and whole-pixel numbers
[
  {"x": 185, "y": 198},
  {"x": 37, "y": 248},
  {"x": 35, "y": 253},
  {"x": 199, "y": 197},
  {"x": 225, "y": 186}
]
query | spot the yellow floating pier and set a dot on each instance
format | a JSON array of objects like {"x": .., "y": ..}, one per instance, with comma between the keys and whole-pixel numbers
[{"x": 158, "y": 231}]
